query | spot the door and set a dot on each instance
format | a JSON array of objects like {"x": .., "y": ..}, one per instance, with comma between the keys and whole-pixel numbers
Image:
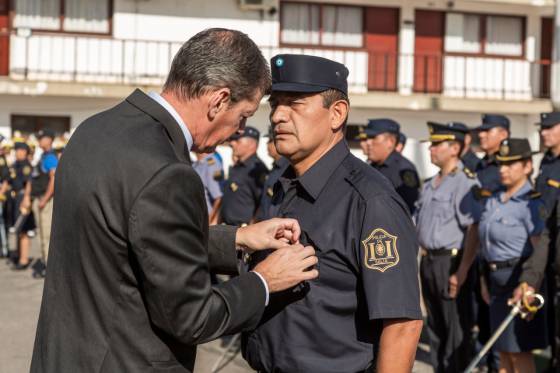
[
  {"x": 428, "y": 51},
  {"x": 382, "y": 42},
  {"x": 547, "y": 35},
  {"x": 4, "y": 37}
]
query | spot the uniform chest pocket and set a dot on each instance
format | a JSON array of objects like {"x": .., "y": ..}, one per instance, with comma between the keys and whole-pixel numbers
[
  {"x": 508, "y": 221},
  {"x": 442, "y": 205}
]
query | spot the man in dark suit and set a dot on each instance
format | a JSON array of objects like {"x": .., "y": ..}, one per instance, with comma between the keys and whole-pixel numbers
[{"x": 128, "y": 288}]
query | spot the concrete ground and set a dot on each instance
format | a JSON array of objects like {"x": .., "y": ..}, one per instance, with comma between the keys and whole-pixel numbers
[{"x": 20, "y": 300}]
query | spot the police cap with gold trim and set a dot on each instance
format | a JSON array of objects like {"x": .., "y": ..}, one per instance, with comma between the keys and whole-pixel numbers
[
  {"x": 302, "y": 73},
  {"x": 514, "y": 150},
  {"x": 451, "y": 131}
]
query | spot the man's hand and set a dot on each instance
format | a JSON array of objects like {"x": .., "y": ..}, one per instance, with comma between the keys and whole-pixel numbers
[
  {"x": 287, "y": 267},
  {"x": 269, "y": 234},
  {"x": 42, "y": 203},
  {"x": 456, "y": 280}
]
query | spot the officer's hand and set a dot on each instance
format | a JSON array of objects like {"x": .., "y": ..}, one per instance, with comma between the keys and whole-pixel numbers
[
  {"x": 287, "y": 267},
  {"x": 523, "y": 290},
  {"x": 456, "y": 280},
  {"x": 268, "y": 234}
]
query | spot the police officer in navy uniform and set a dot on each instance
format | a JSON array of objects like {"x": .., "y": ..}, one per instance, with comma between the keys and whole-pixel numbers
[
  {"x": 365, "y": 304},
  {"x": 468, "y": 157},
  {"x": 243, "y": 188},
  {"x": 381, "y": 137},
  {"x": 4, "y": 183},
  {"x": 548, "y": 184},
  {"x": 446, "y": 223},
  {"x": 20, "y": 183},
  {"x": 493, "y": 130},
  {"x": 402, "y": 142},
  {"x": 510, "y": 231},
  {"x": 279, "y": 165},
  {"x": 211, "y": 171}
]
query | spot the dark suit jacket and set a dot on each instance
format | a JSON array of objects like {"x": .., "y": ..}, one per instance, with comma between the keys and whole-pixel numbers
[{"x": 128, "y": 285}]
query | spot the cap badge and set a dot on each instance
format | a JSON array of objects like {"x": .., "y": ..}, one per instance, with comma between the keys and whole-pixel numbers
[{"x": 504, "y": 150}]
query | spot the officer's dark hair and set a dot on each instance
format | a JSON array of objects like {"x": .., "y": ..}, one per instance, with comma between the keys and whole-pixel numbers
[
  {"x": 219, "y": 58},
  {"x": 461, "y": 146},
  {"x": 330, "y": 96}
]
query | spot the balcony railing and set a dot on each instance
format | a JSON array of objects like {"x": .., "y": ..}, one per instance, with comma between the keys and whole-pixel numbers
[{"x": 134, "y": 62}]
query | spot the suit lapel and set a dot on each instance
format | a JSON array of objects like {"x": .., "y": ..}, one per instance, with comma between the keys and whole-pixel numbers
[{"x": 146, "y": 104}]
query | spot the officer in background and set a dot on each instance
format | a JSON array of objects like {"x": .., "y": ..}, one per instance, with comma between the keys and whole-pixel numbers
[
  {"x": 211, "y": 171},
  {"x": 243, "y": 189},
  {"x": 446, "y": 222},
  {"x": 381, "y": 137},
  {"x": 23, "y": 220},
  {"x": 493, "y": 130},
  {"x": 4, "y": 186},
  {"x": 365, "y": 304},
  {"x": 548, "y": 184},
  {"x": 402, "y": 142},
  {"x": 468, "y": 157},
  {"x": 42, "y": 193},
  {"x": 279, "y": 165}
]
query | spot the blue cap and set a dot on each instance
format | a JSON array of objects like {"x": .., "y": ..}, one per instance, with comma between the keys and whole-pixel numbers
[
  {"x": 247, "y": 132},
  {"x": 450, "y": 131},
  {"x": 549, "y": 120},
  {"x": 490, "y": 121},
  {"x": 382, "y": 125},
  {"x": 402, "y": 138},
  {"x": 301, "y": 73},
  {"x": 21, "y": 145},
  {"x": 46, "y": 133}
]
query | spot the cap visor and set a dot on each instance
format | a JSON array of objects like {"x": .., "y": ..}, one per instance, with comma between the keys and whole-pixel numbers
[{"x": 298, "y": 87}]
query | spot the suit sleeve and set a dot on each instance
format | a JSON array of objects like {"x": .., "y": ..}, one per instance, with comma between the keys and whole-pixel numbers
[
  {"x": 167, "y": 232},
  {"x": 222, "y": 255}
]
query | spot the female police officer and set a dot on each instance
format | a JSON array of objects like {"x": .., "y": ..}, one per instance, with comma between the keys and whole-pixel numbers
[{"x": 509, "y": 230}]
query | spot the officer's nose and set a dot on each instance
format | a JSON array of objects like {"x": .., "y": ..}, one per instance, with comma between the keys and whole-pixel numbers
[{"x": 279, "y": 114}]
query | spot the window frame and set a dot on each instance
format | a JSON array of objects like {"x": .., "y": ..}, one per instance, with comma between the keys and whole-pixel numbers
[
  {"x": 483, "y": 36},
  {"x": 320, "y": 46},
  {"x": 61, "y": 16}
]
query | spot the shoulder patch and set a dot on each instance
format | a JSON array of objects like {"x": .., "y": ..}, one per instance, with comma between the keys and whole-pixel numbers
[
  {"x": 480, "y": 193},
  {"x": 217, "y": 174},
  {"x": 469, "y": 173},
  {"x": 553, "y": 183},
  {"x": 26, "y": 170},
  {"x": 410, "y": 179},
  {"x": 380, "y": 250},
  {"x": 234, "y": 187},
  {"x": 543, "y": 212},
  {"x": 211, "y": 161}
]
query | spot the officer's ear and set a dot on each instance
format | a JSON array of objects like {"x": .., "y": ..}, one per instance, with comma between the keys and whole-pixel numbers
[
  {"x": 218, "y": 100},
  {"x": 339, "y": 114}
]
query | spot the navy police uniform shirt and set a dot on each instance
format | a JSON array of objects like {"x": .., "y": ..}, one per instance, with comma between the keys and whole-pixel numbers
[
  {"x": 471, "y": 160},
  {"x": 404, "y": 177},
  {"x": 4, "y": 169},
  {"x": 505, "y": 227},
  {"x": 548, "y": 181},
  {"x": 488, "y": 173},
  {"x": 243, "y": 190},
  {"x": 20, "y": 175},
  {"x": 211, "y": 173},
  {"x": 367, "y": 249},
  {"x": 278, "y": 168}
]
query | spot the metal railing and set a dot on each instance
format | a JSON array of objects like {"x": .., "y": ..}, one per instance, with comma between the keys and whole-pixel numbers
[{"x": 88, "y": 59}]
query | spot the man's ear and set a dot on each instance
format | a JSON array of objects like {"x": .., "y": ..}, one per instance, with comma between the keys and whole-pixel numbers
[
  {"x": 218, "y": 101},
  {"x": 339, "y": 113}
]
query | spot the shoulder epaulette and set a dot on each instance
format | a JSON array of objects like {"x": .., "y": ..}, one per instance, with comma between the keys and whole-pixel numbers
[
  {"x": 211, "y": 161},
  {"x": 470, "y": 174}
]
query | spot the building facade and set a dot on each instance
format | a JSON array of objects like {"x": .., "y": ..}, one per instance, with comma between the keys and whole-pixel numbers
[{"x": 412, "y": 60}]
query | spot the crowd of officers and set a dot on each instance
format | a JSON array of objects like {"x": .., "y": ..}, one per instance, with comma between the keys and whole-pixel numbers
[
  {"x": 488, "y": 233},
  {"x": 26, "y": 197}
]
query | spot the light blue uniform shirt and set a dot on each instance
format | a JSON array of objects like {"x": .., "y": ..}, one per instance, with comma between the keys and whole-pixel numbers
[
  {"x": 445, "y": 211},
  {"x": 505, "y": 227},
  {"x": 210, "y": 170}
]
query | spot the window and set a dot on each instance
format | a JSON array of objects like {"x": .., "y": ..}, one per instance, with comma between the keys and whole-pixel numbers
[
  {"x": 63, "y": 15},
  {"x": 484, "y": 34},
  {"x": 30, "y": 124},
  {"x": 326, "y": 25}
]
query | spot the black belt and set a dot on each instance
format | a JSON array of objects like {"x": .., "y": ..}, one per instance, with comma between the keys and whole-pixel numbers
[
  {"x": 494, "y": 266},
  {"x": 440, "y": 252}
]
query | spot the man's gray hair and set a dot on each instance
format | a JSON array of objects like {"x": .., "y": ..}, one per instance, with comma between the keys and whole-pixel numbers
[{"x": 219, "y": 58}]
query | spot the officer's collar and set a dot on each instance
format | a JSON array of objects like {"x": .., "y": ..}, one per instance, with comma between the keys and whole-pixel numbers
[
  {"x": 549, "y": 155},
  {"x": 281, "y": 162},
  {"x": 521, "y": 193},
  {"x": 252, "y": 159},
  {"x": 490, "y": 158},
  {"x": 315, "y": 179}
]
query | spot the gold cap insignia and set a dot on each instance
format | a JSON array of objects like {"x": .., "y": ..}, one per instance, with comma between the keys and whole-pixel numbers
[
  {"x": 380, "y": 250},
  {"x": 504, "y": 150}
]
